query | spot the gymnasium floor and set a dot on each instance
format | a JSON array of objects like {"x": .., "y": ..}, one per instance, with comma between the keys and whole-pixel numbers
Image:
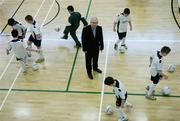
[{"x": 61, "y": 90}]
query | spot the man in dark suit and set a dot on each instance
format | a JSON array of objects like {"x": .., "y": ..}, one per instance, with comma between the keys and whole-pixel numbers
[{"x": 92, "y": 43}]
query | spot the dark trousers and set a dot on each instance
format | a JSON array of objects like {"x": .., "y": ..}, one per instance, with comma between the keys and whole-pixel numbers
[
  {"x": 72, "y": 33},
  {"x": 91, "y": 61}
]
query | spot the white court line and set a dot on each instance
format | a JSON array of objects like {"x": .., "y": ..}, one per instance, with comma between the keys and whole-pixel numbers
[
  {"x": 47, "y": 14},
  {"x": 5, "y": 69},
  {"x": 9, "y": 91},
  {"x": 17, "y": 75},
  {"x": 104, "y": 76},
  {"x": 39, "y": 9}
]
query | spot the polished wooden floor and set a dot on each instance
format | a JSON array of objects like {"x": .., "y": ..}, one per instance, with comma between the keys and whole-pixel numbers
[{"x": 56, "y": 93}]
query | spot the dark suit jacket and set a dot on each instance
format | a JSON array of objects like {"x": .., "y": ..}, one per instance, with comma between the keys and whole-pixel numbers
[{"x": 90, "y": 43}]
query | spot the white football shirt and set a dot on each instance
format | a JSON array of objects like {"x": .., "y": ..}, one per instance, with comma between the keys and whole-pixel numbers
[
  {"x": 157, "y": 63},
  {"x": 35, "y": 30},
  {"x": 123, "y": 22},
  {"x": 119, "y": 89},
  {"x": 20, "y": 28},
  {"x": 18, "y": 48}
]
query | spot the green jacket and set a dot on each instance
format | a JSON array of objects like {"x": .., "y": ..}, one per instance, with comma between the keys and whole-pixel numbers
[{"x": 75, "y": 19}]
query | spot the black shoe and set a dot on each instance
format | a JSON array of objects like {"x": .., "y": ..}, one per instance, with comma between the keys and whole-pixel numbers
[
  {"x": 64, "y": 37},
  {"x": 124, "y": 46},
  {"x": 90, "y": 76},
  {"x": 98, "y": 70},
  {"x": 115, "y": 46}
]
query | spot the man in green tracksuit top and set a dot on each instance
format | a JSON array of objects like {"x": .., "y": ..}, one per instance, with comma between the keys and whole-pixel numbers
[{"x": 74, "y": 20}]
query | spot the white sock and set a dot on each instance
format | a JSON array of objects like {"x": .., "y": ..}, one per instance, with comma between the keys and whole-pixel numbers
[
  {"x": 41, "y": 54},
  {"x": 23, "y": 65},
  {"x": 123, "y": 41},
  {"x": 26, "y": 61},
  {"x": 29, "y": 46},
  {"x": 122, "y": 114},
  {"x": 118, "y": 41},
  {"x": 151, "y": 89}
]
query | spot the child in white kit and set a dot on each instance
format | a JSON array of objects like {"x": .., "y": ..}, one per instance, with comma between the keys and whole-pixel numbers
[
  {"x": 122, "y": 22},
  {"x": 19, "y": 49},
  {"x": 121, "y": 96},
  {"x": 156, "y": 65},
  {"x": 19, "y": 27},
  {"x": 35, "y": 37}
]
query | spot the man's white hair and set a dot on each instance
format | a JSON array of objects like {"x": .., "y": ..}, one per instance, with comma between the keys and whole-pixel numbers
[{"x": 94, "y": 19}]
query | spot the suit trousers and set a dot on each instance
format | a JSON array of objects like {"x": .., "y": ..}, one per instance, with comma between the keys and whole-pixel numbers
[{"x": 91, "y": 61}]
